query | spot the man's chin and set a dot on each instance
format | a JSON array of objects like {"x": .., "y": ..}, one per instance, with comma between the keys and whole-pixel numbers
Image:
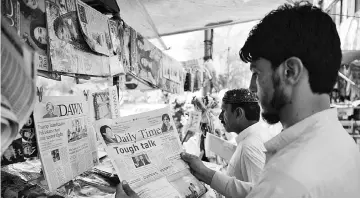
[{"x": 270, "y": 118}]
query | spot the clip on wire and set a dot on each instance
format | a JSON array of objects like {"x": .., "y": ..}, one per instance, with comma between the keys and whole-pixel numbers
[
  {"x": 86, "y": 94},
  {"x": 40, "y": 92}
]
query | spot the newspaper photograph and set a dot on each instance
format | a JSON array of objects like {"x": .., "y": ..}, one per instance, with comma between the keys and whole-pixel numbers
[
  {"x": 145, "y": 151},
  {"x": 66, "y": 139},
  {"x": 106, "y": 104},
  {"x": 69, "y": 51},
  {"x": 28, "y": 19},
  {"x": 149, "y": 60},
  {"x": 95, "y": 28}
]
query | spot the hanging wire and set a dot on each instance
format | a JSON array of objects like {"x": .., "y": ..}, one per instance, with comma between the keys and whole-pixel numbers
[{"x": 345, "y": 15}]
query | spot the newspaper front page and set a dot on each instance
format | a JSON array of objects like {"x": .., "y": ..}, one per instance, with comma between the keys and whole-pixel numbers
[
  {"x": 66, "y": 139},
  {"x": 145, "y": 150}
]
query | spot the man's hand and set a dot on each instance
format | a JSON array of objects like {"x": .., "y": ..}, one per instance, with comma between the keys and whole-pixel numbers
[
  {"x": 123, "y": 190},
  {"x": 198, "y": 168}
]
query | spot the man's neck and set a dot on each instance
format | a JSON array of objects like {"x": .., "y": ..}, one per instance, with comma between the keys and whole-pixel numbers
[
  {"x": 247, "y": 125},
  {"x": 301, "y": 108}
]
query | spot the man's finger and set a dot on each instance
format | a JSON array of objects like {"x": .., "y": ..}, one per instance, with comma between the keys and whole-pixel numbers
[
  {"x": 120, "y": 193},
  {"x": 128, "y": 190}
]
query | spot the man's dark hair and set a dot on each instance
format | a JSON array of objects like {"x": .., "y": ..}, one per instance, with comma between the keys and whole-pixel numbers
[
  {"x": 252, "y": 110},
  {"x": 303, "y": 31}
]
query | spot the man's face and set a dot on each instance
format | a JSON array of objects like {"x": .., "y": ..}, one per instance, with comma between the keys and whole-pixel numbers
[
  {"x": 64, "y": 33},
  {"x": 49, "y": 108},
  {"x": 141, "y": 158},
  {"x": 269, "y": 88},
  {"x": 136, "y": 159},
  {"x": 228, "y": 118},
  {"x": 109, "y": 133}
]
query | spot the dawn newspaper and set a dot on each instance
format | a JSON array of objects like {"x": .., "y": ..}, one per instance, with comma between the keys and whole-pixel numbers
[
  {"x": 66, "y": 139},
  {"x": 145, "y": 150}
]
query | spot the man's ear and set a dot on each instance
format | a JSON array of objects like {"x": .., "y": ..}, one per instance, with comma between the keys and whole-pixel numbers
[
  {"x": 293, "y": 70},
  {"x": 239, "y": 112}
]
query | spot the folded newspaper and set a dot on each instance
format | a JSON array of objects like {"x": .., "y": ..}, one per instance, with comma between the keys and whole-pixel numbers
[{"x": 145, "y": 150}]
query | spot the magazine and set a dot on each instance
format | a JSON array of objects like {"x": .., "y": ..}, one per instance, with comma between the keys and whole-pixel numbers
[
  {"x": 145, "y": 151},
  {"x": 95, "y": 27},
  {"x": 66, "y": 139},
  {"x": 29, "y": 21},
  {"x": 106, "y": 104},
  {"x": 69, "y": 52},
  {"x": 22, "y": 148},
  {"x": 148, "y": 60}
]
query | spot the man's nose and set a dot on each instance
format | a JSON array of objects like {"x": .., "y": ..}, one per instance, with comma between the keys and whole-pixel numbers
[{"x": 253, "y": 86}]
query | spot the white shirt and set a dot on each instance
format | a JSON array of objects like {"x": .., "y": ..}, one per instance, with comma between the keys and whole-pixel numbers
[
  {"x": 248, "y": 160},
  {"x": 315, "y": 157}
]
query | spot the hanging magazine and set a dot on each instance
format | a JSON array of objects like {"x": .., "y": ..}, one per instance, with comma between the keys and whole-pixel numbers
[
  {"x": 66, "y": 139},
  {"x": 145, "y": 150}
]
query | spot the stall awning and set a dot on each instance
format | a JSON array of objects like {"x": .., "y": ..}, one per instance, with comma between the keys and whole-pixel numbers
[{"x": 155, "y": 18}]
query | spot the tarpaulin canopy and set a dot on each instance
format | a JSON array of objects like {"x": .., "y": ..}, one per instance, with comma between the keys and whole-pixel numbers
[{"x": 156, "y": 18}]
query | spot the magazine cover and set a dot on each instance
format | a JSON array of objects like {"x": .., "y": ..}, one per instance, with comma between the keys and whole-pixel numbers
[
  {"x": 29, "y": 20},
  {"x": 69, "y": 51},
  {"x": 66, "y": 139},
  {"x": 114, "y": 27},
  {"x": 24, "y": 147},
  {"x": 125, "y": 43},
  {"x": 149, "y": 60},
  {"x": 145, "y": 151},
  {"x": 95, "y": 28},
  {"x": 133, "y": 52},
  {"x": 106, "y": 104}
]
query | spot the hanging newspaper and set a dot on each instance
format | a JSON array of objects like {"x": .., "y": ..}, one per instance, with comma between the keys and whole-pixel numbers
[
  {"x": 66, "y": 140},
  {"x": 69, "y": 52},
  {"x": 145, "y": 150}
]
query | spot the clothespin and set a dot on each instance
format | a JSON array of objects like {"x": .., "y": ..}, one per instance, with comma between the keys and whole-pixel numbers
[
  {"x": 86, "y": 94},
  {"x": 40, "y": 93}
]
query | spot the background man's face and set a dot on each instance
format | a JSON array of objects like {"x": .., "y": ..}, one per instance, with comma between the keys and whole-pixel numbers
[
  {"x": 228, "y": 118},
  {"x": 49, "y": 108}
]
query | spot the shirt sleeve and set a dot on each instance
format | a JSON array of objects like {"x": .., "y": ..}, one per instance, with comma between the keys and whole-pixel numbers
[
  {"x": 252, "y": 161},
  {"x": 278, "y": 185},
  {"x": 230, "y": 186}
]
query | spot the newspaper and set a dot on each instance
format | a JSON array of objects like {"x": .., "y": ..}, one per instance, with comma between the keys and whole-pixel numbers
[
  {"x": 221, "y": 147},
  {"x": 29, "y": 22},
  {"x": 95, "y": 27},
  {"x": 145, "y": 150},
  {"x": 69, "y": 51},
  {"x": 66, "y": 140},
  {"x": 18, "y": 91}
]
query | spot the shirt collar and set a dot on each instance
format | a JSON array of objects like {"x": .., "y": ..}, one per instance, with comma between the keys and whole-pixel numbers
[
  {"x": 295, "y": 131},
  {"x": 246, "y": 132}
]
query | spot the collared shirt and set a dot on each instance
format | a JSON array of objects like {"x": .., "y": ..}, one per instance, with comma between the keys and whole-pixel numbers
[
  {"x": 315, "y": 157},
  {"x": 248, "y": 160}
]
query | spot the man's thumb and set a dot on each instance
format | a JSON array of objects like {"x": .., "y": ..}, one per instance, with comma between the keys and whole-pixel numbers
[
  {"x": 128, "y": 190},
  {"x": 187, "y": 157}
]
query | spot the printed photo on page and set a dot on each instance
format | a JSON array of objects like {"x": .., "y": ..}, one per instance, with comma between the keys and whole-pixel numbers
[
  {"x": 66, "y": 139},
  {"x": 145, "y": 150}
]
